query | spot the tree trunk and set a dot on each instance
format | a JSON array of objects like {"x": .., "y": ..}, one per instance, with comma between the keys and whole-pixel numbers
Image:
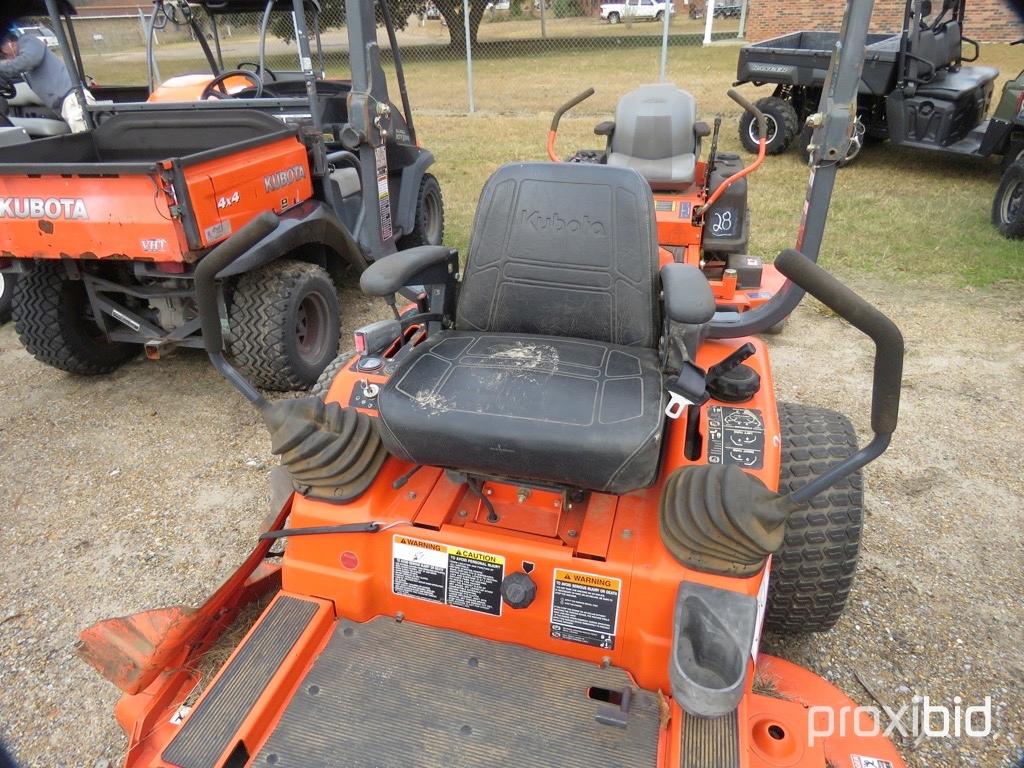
[{"x": 451, "y": 11}]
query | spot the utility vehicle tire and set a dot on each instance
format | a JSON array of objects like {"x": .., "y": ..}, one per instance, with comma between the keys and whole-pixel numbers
[
  {"x": 428, "y": 225},
  {"x": 783, "y": 125},
  {"x": 1008, "y": 205},
  {"x": 614, "y": 18},
  {"x": 323, "y": 384},
  {"x": 285, "y": 324},
  {"x": 6, "y": 293},
  {"x": 814, "y": 570},
  {"x": 54, "y": 322}
]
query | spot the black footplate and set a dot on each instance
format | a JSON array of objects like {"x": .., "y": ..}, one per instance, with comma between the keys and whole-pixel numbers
[
  {"x": 390, "y": 695},
  {"x": 213, "y": 724}
]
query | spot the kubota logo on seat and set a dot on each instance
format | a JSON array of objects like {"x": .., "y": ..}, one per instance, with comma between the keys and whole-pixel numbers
[
  {"x": 284, "y": 178},
  {"x": 42, "y": 208},
  {"x": 556, "y": 223}
]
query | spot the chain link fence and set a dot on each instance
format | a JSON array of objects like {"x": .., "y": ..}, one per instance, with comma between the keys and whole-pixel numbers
[{"x": 524, "y": 56}]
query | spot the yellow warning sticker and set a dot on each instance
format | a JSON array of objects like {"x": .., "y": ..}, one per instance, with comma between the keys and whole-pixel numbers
[
  {"x": 441, "y": 573},
  {"x": 585, "y": 608}
]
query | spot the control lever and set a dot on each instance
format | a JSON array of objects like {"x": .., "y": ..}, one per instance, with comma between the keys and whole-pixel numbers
[{"x": 738, "y": 356}]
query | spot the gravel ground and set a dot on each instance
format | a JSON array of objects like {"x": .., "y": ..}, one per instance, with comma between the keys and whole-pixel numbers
[{"x": 146, "y": 487}]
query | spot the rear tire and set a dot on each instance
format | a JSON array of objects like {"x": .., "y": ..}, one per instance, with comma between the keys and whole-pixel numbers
[
  {"x": 428, "y": 224},
  {"x": 54, "y": 321},
  {"x": 613, "y": 18},
  {"x": 1008, "y": 205},
  {"x": 323, "y": 384},
  {"x": 783, "y": 125},
  {"x": 286, "y": 324},
  {"x": 6, "y": 292},
  {"x": 813, "y": 572}
]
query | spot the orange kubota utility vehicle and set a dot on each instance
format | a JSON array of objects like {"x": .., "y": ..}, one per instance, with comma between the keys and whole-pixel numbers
[
  {"x": 531, "y": 525},
  {"x": 105, "y": 229},
  {"x": 700, "y": 205}
]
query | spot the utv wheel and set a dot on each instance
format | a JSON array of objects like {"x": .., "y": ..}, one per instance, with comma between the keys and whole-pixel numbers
[
  {"x": 428, "y": 225},
  {"x": 613, "y": 18},
  {"x": 6, "y": 292},
  {"x": 323, "y": 384},
  {"x": 814, "y": 570},
  {"x": 54, "y": 321},
  {"x": 782, "y": 125},
  {"x": 1008, "y": 206},
  {"x": 285, "y": 323}
]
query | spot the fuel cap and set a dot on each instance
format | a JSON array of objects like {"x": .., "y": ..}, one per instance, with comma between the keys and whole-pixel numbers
[{"x": 518, "y": 590}]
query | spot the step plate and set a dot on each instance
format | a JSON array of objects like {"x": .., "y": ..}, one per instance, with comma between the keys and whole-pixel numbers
[
  {"x": 216, "y": 719},
  {"x": 710, "y": 742},
  {"x": 389, "y": 695}
]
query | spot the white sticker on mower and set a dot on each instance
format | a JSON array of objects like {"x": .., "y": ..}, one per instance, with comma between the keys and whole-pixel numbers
[
  {"x": 859, "y": 761},
  {"x": 383, "y": 192},
  {"x": 440, "y": 573},
  {"x": 762, "y": 604},
  {"x": 179, "y": 714}
]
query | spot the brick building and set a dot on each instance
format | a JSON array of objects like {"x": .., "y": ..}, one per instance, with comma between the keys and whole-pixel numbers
[{"x": 988, "y": 21}]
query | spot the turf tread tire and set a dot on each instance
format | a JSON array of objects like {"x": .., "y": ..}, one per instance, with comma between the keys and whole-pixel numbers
[
  {"x": 786, "y": 120},
  {"x": 1013, "y": 229},
  {"x": 323, "y": 384},
  {"x": 262, "y": 323},
  {"x": 813, "y": 573},
  {"x": 49, "y": 318},
  {"x": 419, "y": 234}
]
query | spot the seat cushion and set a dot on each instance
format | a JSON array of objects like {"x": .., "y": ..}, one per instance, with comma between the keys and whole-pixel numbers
[
  {"x": 575, "y": 413},
  {"x": 952, "y": 85},
  {"x": 678, "y": 170},
  {"x": 564, "y": 249},
  {"x": 654, "y": 134}
]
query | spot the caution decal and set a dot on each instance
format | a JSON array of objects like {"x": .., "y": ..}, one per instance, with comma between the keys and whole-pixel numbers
[
  {"x": 439, "y": 573},
  {"x": 585, "y": 608}
]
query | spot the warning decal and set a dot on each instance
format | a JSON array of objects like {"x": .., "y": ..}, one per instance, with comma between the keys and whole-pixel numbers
[
  {"x": 463, "y": 578},
  {"x": 585, "y": 608},
  {"x": 383, "y": 194},
  {"x": 735, "y": 436},
  {"x": 860, "y": 761}
]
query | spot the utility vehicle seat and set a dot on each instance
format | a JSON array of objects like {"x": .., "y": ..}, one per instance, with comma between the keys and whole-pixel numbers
[
  {"x": 552, "y": 373},
  {"x": 654, "y": 134},
  {"x": 950, "y": 86}
]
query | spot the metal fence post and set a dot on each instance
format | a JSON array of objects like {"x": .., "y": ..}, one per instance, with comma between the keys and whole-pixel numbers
[
  {"x": 709, "y": 14},
  {"x": 543, "y": 21},
  {"x": 469, "y": 55},
  {"x": 664, "y": 40},
  {"x": 743, "y": 20}
]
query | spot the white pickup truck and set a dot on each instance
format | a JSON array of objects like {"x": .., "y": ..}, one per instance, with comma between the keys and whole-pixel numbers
[{"x": 635, "y": 9}]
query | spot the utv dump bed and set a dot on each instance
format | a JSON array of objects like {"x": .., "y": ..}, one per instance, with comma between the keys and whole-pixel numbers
[
  {"x": 156, "y": 187},
  {"x": 802, "y": 58}
]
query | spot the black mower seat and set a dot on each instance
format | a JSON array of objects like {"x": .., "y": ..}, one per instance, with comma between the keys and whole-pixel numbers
[
  {"x": 546, "y": 408},
  {"x": 552, "y": 373},
  {"x": 950, "y": 86}
]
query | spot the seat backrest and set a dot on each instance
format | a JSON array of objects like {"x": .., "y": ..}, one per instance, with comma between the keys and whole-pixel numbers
[
  {"x": 564, "y": 249},
  {"x": 655, "y": 122}
]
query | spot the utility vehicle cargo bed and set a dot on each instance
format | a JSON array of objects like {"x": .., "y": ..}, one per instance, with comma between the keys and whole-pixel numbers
[
  {"x": 147, "y": 186},
  {"x": 802, "y": 58}
]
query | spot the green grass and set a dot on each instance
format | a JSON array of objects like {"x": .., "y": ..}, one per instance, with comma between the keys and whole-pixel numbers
[{"x": 905, "y": 214}]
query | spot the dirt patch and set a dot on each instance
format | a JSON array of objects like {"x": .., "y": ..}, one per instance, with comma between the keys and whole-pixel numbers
[{"x": 146, "y": 488}]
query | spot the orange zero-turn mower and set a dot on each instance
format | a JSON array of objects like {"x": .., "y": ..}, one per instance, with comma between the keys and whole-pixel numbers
[
  {"x": 700, "y": 205},
  {"x": 523, "y": 527}
]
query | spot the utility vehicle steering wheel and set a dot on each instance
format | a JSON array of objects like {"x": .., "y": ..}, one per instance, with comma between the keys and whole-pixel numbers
[
  {"x": 244, "y": 65},
  {"x": 217, "y": 90}
]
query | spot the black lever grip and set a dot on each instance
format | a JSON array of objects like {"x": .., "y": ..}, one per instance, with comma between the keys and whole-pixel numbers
[
  {"x": 212, "y": 263},
  {"x": 569, "y": 105},
  {"x": 762, "y": 125},
  {"x": 888, "y": 374}
]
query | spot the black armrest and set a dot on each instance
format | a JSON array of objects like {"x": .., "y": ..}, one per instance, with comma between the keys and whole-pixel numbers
[
  {"x": 688, "y": 297},
  {"x": 422, "y": 265},
  {"x": 604, "y": 128}
]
